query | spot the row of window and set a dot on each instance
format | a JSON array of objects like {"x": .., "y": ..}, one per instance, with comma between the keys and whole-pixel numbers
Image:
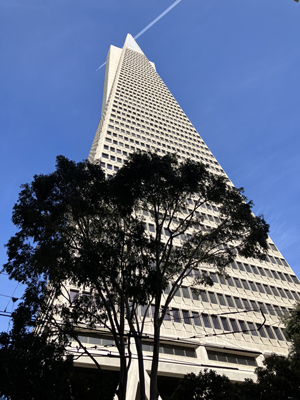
[
  {"x": 189, "y": 317},
  {"x": 262, "y": 288},
  {"x": 230, "y": 301},
  {"x": 231, "y": 358},
  {"x": 241, "y": 284},
  {"x": 242, "y": 303},
  {"x": 218, "y": 322},
  {"x": 181, "y": 351},
  {"x": 171, "y": 350}
]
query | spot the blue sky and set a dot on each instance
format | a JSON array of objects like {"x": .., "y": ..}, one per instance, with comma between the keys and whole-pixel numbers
[{"x": 233, "y": 66}]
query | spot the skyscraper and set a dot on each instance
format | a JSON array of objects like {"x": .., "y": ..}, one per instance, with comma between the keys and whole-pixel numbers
[{"x": 232, "y": 326}]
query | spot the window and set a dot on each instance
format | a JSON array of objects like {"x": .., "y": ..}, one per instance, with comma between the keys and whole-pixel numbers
[
  {"x": 234, "y": 325},
  {"x": 167, "y": 232},
  {"x": 277, "y": 309},
  {"x": 252, "y": 285},
  {"x": 269, "y": 309},
  {"x": 229, "y": 281},
  {"x": 195, "y": 295},
  {"x": 281, "y": 292},
  {"x": 240, "y": 265},
  {"x": 254, "y": 306},
  {"x": 288, "y": 278},
  {"x": 225, "y": 324},
  {"x": 175, "y": 314},
  {"x": 243, "y": 327},
  {"x": 247, "y": 268},
  {"x": 245, "y": 284},
  {"x": 73, "y": 296},
  {"x": 215, "y": 322},
  {"x": 221, "y": 299},
  {"x": 246, "y": 304},
  {"x": 275, "y": 274},
  {"x": 269, "y": 332},
  {"x": 252, "y": 329},
  {"x": 288, "y": 294},
  {"x": 238, "y": 302},
  {"x": 186, "y": 317},
  {"x": 260, "y": 330},
  {"x": 277, "y": 333},
  {"x": 151, "y": 228},
  {"x": 214, "y": 277},
  {"x": 206, "y": 321},
  {"x": 295, "y": 295},
  {"x": 274, "y": 291},
  {"x": 196, "y": 319},
  {"x": 237, "y": 283},
  {"x": 229, "y": 301},
  {"x": 185, "y": 292},
  {"x": 203, "y": 296},
  {"x": 267, "y": 289},
  {"x": 260, "y": 288},
  {"x": 254, "y": 269},
  {"x": 212, "y": 297}
]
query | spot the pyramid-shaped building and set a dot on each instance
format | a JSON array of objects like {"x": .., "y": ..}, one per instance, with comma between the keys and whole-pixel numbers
[{"x": 232, "y": 326}]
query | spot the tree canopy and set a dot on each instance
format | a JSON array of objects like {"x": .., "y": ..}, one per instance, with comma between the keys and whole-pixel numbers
[{"x": 124, "y": 240}]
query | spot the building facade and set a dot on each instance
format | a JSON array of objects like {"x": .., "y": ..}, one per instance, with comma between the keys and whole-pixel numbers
[{"x": 232, "y": 326}]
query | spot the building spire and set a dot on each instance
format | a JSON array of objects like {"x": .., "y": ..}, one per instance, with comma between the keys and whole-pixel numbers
[{"x": 132, "y": 44}]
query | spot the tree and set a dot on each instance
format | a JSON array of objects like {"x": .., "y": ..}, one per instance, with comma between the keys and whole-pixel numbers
[
  {"x": 292, "y": 331},
  {"x": 278, "y": 379},
  {"x": 31, "y": 368},
  {"x": 76, "y": 227},
  {"x": 35, "y": 366},
  {"x": 207, "y": 385}
]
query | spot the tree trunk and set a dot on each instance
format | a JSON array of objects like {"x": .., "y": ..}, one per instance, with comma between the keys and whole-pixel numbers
[
  {"x": 139, "y": 349},
  {"x": 155, "y": 357},
  {"x": 121, "y": 391}
]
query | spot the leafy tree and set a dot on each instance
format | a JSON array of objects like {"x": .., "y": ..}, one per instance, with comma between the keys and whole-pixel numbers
[
  {"x": 35, "y": 366},
  {"x": 172, "y": 194},
  {"x": 279, "y": 379},
  {"x": 207, "y": 385},
  {"x": 32, "y": 368},
  {"x": 292, "y": 331},
  {"x": 76, "y": 228}
]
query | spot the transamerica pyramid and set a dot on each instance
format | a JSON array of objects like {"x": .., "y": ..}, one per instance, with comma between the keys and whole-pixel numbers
[{"x": 234, "y": 325}]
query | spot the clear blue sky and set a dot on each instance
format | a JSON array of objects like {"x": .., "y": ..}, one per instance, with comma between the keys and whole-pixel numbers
[{"x": 232, "y": 65}]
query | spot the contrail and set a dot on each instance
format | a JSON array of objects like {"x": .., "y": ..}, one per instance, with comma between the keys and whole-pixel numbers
[
  {"x": 151, "y": 24},
  {"x": 158, "y": 18}
]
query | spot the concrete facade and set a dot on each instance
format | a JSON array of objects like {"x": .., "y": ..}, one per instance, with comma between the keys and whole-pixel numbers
[{"x": 233, "y": 325}]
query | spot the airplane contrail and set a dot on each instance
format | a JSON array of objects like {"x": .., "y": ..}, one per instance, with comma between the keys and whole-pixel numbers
[
  {"x": 151, "y": 24},
  {"x": 157, "y": 19}
]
